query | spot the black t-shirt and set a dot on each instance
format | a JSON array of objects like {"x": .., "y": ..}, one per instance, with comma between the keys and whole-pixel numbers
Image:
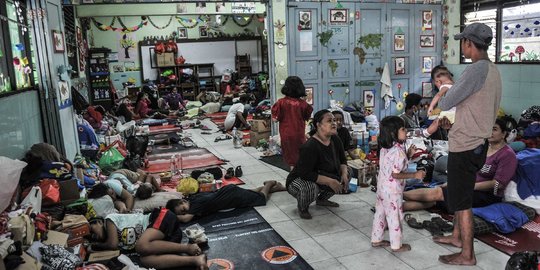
[
  {"x": 345, "y": 137},
  {"x": 230, "y": 196},
  {"x": 318, "y": 159}
]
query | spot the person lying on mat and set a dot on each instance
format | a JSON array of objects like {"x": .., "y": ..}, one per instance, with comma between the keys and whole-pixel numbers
[
  {"x": 491, "y": 180},
  {"x": 321, "y": 170},
  {"x": 122, "y": 191},
  {"x": 135, "y": 179},
  {"x": 155, "y": 237},
  {"x": 227, "y": 197},
  {"x": 237, "y": 115}
]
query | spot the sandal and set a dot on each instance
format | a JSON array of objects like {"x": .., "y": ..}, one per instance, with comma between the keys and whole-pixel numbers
[
  {"x": 222, "y": 138},
  {"x": 412, "y": 222},
  {"x": 374, "y": 188},
  {"x": 230, "y": 173},
  {"x": 238, "y": 171}
]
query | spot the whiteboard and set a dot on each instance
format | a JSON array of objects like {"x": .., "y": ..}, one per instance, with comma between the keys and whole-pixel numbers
[{"x": 221, "y": 53}]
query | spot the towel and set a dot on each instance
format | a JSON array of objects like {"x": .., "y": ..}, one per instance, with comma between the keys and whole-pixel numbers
[{"x": 386, "y": 87}]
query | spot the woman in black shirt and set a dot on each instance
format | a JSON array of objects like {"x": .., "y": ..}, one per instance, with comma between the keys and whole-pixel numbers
[{"x": 321, "y": 170}]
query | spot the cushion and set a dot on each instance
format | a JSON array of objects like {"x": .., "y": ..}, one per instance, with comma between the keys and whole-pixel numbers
[{"x": 158, "y": 199}]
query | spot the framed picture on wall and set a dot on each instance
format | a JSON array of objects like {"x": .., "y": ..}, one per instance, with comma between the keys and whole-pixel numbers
[
  {"x": 399, "y": 65},
  {"x": 203, "y": 31},
  {"x": 427, "y": 41},
  {"x": 309, "y": 95},
  {"x": 182, "y": 33},
  {"x": 427, "y": 19},
  {"x": 369, "y": 98},
  {"x": 58, "y": 41},
  {"x": 399, "y": 42},
  {"x": 338, "y": 16},
  {"x": 304, "y": 20},
  {"x": 427, "y": 89},
  {"x": 427, "y": 64}
]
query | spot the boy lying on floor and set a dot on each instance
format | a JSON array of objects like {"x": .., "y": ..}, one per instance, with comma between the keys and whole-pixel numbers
[
  {"x": 231, "y": 196},
  {"x": 155, "y": 237}
]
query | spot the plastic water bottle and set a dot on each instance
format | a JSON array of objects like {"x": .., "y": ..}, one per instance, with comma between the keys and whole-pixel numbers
[
  {"x": 173, "y": 164},
  {"x": 237, "y": 140},
  {"x": 272, "y": 145}
]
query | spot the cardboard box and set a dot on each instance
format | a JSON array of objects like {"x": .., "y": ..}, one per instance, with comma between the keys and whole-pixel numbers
[
  {"x": 261, "y": 125},
  {"x": 56, "y": 238},
  {"x": 165, "y": 59},
  {"x": 255, "y": 137},
  {"x": 101, "y": 256}
]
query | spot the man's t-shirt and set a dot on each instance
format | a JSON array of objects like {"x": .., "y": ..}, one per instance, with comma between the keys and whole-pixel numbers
[{"x": 231, "y": 115}]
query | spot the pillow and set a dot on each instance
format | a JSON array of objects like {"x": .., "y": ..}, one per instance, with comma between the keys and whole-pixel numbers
[{"x": 158, "y": 199}]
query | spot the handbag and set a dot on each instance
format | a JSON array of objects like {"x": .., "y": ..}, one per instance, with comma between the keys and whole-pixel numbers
[{"x": 120, "y": 146}]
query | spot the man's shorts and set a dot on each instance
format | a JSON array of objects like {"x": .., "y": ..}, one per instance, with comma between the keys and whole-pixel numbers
[
  {"x": 462, "y": 169},
  {"x": 164, "y": 220}
]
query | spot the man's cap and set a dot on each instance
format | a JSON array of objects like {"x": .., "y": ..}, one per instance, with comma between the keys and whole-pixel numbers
[{"x": 478, "y": 33}]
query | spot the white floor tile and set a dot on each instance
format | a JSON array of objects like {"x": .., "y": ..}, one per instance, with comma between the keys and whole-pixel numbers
[
  {"x": 322, "y": 224},
  {"x": 310, "y": 250},
  {"x": 344, "y": 243},
  {"x": 375, "y": 258},
  {"x": 492, "y": 260},
  {"x": 331, "y": 264},
  {"x": 289, "y": 230},
  {"x": 272, "y": 213}
]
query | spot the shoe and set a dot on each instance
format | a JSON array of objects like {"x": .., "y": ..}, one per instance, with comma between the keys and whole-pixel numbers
[
  {"x": 443, "y": 224},
  {"x": 327, "y": 203},
  {"x": 304, "y": 214},
  {"x": 230, "y": 173},
  {"x": 238, "y": 171},
  {"x": 412, "y": 222}
]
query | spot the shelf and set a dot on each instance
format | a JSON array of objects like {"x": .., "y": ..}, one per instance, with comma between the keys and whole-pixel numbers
[{"x": 99, "y": 73}]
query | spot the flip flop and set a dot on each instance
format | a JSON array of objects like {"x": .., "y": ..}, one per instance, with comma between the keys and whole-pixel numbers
[{"x": 443, "y": 224}]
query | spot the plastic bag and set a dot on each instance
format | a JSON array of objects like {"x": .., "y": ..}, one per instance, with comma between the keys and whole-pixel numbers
[
  {"x": 50, "y": 191},
  {"x": 9, "y": 178},
  {"x": 188, "y": 186},
  {"x": 111, "y": 160},
  {"x": 33, "y": 199}
]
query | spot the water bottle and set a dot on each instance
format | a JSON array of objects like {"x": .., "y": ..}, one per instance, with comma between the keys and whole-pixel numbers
[
  {"x": 271, "y": 145},
  {"x": 173, "y": 164},
  {"x": 179, "y": 163}
]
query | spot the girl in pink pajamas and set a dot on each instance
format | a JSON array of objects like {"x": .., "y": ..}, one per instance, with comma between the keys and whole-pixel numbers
[{"x": 391, "y": 183}]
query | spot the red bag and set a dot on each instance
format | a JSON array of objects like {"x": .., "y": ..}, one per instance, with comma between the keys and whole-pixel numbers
[
  {"x": 42, "y": 221},
  {"x": 159, "y": 48},
  {"x": 120, "y": 146},
  {"x": 50, "y": 191}
]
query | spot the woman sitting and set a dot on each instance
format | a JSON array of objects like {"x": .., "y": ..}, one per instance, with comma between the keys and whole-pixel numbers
[
  {"x": 231, "y": 196},
  {"x": 155, "y": 237},
  {"x": 142, "y": 106},
  {"x": 491, "y": 180},
  {"x": 321, "y": 170}
]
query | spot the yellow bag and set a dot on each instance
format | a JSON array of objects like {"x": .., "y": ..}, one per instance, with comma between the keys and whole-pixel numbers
[{"x": 188, "y": 185}]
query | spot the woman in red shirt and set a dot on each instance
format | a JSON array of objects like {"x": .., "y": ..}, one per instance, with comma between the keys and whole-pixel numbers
[
  {"x": 142, "y": 106},
  {"x": 292, "y": 112}
]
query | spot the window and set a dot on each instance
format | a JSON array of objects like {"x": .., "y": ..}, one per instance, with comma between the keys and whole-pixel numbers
[
  {"x": 16, "y": 71},
  {"x": 487, "y": 17},
  {"x": 520, "y": 35},
  {"x": 516, "y": 28}
]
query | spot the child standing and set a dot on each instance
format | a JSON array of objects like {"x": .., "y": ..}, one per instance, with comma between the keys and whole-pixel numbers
[
  {"x": 390, "y": 184},
  {"x": 292, "y": 112}
]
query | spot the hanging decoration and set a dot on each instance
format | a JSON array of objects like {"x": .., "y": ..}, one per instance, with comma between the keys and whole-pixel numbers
[
  {"x": 333, "y": 65},
  {"x": 370, "y": 41},
  {"x": 190, "y": 23},
  {"x": 324, "y": 37},
  {"x": 246, "y": 20},
  {"x": 161, "y": 27},
  {"x": 280, "y": 33},
  {"x": 123, "y": 29}
]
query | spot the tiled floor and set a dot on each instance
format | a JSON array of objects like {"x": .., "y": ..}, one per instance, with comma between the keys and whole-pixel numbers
[{"x": 338, "y": 238}]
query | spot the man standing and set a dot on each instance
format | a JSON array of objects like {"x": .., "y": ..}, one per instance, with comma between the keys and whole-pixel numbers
[{"x": 476, "y": 96}]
